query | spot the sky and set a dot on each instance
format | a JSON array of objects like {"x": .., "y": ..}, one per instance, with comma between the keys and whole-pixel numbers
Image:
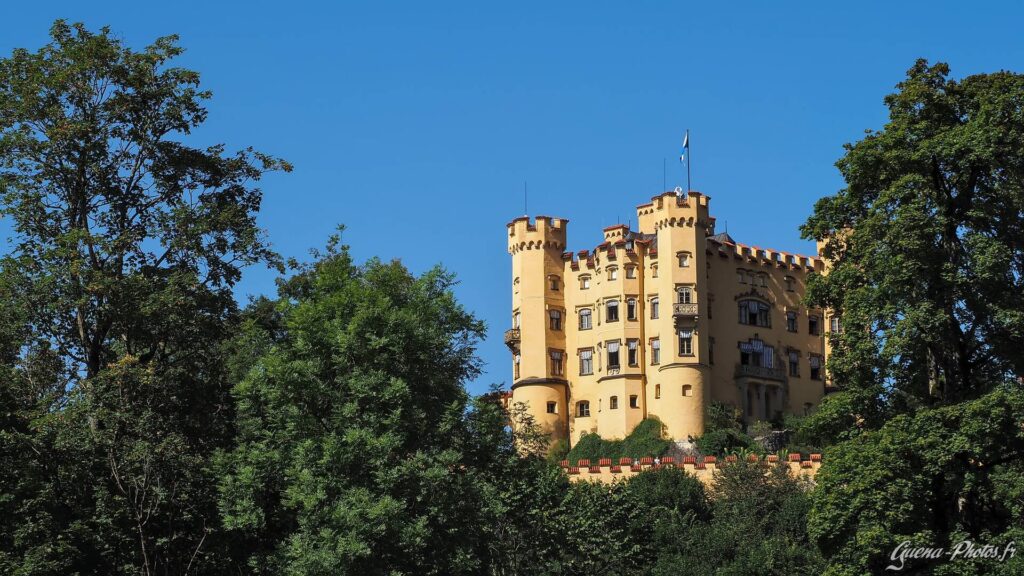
[{"x": 417, "y": 124}]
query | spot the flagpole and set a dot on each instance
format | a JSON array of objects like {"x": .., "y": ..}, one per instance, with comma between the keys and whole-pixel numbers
[{"x": 688, "y": 188}]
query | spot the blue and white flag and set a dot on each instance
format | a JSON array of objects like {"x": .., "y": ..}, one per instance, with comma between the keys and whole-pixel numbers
[{"x": 686, "y": 147}]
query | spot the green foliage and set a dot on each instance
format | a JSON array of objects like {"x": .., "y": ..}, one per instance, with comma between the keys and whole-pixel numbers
[
  {"x": 724, "y": 441},
  {"x": 755, "y": 525},
  {"x": 646, "y": 439},
  {"x": 926, "y": 247},
  {"x": 117, "y": 290},
  {"x": 935, "y": 478}
]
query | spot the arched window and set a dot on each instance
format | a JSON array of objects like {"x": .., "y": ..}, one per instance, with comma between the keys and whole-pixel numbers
[
  {"x": 585, "y": 318},
  {"x": 791, "y": 321},
  {"x": 555, "y": 319},
  {"x": 685, "y": 294},
  {"x": 613, "y": 355},
  {"x": 612, "y": 311},
  {"x": 755, "y": 313},
  {"x": 686, "y": 342},
  {"x": 582, "y": 409}
]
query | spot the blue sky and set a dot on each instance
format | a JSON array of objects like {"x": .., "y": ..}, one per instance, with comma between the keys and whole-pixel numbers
[{"x": 416, "y": 124}]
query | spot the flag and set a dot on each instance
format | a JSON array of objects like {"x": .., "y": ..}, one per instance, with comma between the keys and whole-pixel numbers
[{"x": 686, "y": 147}]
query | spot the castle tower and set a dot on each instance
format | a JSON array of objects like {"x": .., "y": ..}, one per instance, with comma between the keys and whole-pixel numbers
[
  {"x": 540, "y": 362},
  {"x": 679, "y": 384}
]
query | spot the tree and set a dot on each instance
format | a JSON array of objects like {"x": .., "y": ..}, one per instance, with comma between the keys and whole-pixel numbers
[
  {"x": 926, "y": 248},
  {"x": 127, "y": 243},
  {"x": 355, "y": 453}
]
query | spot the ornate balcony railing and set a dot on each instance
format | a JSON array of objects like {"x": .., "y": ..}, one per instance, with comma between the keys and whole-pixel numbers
[
  {"x": 743, "y": 370},
  {"x": 687, "y": 310},
  {"x": 512, "y": 337}
]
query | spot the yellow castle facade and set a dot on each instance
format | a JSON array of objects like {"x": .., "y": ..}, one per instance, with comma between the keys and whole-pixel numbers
[{"x": 658, "y": 322}]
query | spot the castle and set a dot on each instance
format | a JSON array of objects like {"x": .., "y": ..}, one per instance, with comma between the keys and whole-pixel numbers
[{"x": 658, "y": 322}]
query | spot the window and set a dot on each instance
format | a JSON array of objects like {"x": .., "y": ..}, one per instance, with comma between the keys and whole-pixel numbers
[
  {"x": 552, "y": 407},
  {"x": 515, "y": 285},
  {"x": 586, "y": 361},
  {"x": 631, "y": 309},
  {"x": 711, "y": 351},
  {"x": 657, "y": 391},
  {"x": 584, "y": 282},
  {"x": 655, "y": 352},
  {"x": 553, "y": 283},
  {"x": 613, "y": 355},
  {"x": 815, "y": 362},
  {"x": 613, "y": 273},
  {"x": 685, "y": 294},
  {"x": 515, "y": 320},
  {"x": 654, "y": 271},
  {"x": 834, "y": 325},
  {"x": 613, "y": 403},
  {"x": 684, "y": 259},
  {"x": 763, "y": 280},
  {"x": 754, "y": 313},
  {"x": 687, "y": 390},
  {"x": 582, "y": 409},
  {"x": 555, "y": 319},
  {"x": 612, "y": 311},
  {"x": 634, "y": 401},
  {"x": 686, "y": 342},
  {"x": 515, "y": 366},
  {"x": 631, "y": 352},
  {"x": 585, "y": 315},
  {"x": 630, "y": 271},
  {"x": 790, "y": 283},
  {"x": 654, "y": 308},
  {"x": 794, "y": 363},
  {"x": 556, "y": 362},
  {"x": 812, "y": 325},
  {"x": 791, "y": 321},
  {"x": 755, "y": 352},
  {"x": 742, "y": 276}
]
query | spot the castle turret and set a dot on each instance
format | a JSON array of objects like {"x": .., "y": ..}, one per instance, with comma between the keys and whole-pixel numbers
[
  {"x": 679, "y": 385},
  {"x": 540, "y": 362}
]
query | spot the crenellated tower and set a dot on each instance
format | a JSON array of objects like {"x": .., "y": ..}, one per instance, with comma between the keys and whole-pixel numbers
[{"x": 540, "y": 361}]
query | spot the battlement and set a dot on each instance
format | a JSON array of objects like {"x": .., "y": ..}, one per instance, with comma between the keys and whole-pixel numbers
[
  {"x": 674, "y": 209},
  {"x": 766, "y": 256},
  {"x": 617, "y": 232},
  {"x": 702, "y": 468},
  {"x": 542, "y": 233}
]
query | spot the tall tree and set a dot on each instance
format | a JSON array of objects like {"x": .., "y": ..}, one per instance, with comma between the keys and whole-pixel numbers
[
  {"x": 926, "y": 244},
  {"x": 127, "y": 242},
  {"x": 355, "y": 454}
]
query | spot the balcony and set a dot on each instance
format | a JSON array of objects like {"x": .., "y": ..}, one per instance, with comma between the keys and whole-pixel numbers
[
  {"x": 684, "y": 311},
  {"x": 745, "y": 371},
  {"x": 512, "y": 337}
]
